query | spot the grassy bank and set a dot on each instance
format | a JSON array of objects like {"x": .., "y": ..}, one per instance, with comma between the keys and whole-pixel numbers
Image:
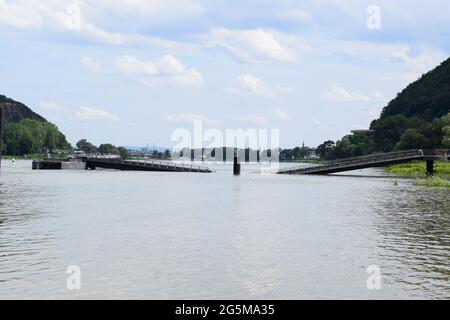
[
  {"x": 433, "y": 182},
  {"x": 418, "y": 168}
]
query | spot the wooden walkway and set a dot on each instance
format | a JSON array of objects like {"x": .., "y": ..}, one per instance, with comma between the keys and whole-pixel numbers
[
  {"x": 375, "y": 160},
  {"x": 143, "y": 165}
]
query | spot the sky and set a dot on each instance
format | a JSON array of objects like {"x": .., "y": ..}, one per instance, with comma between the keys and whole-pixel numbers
[{"x": 131, "y": 72}]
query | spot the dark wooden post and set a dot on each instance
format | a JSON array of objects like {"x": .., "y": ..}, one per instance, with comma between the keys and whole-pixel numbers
[
  {"x": 430, "y": 167},
  {"x": 1, "y": 135},
  {"x": 236, "y": 164}
]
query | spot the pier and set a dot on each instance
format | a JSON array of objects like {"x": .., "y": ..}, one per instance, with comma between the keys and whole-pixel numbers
[
  {"x": 374, "y": 160},
  {"x": 118, "y": 164},
  {"x": 143, "y": 165}
]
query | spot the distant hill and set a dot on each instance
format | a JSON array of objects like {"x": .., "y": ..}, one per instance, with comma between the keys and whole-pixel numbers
[
  {"x": 427, "y": 98},
  {"x": 15, "y": 111},
  {"x": 418, "y": 118},
  {"x": 25, "y": 132}
]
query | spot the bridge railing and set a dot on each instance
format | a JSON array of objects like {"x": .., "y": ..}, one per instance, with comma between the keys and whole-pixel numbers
[
  {"x": 377, "y": 155},
  {"x": 170, "y": 164},
  {"x": 374, "y": 158},
  {"x": 155, "y": 163}
]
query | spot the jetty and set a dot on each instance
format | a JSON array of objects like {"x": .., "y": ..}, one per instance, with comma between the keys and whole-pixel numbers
[
  {"x": 93, "y": 163},
  {"x": 143, "y": 165}
]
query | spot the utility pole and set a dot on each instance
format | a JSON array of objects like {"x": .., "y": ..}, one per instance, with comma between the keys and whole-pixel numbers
[{"x": 1, "y": 135}]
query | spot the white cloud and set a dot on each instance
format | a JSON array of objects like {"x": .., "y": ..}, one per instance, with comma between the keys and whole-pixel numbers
[
  {"x": 149, "y": 11},
  {"x": 19, "y": 15},
  {"x": 340, "y": 94},
  {"x": 50, "y": 105},
  {"x": 252, "y": 119},
  {"x": 298, "y": 15},
  {"x": 187, "y": 118},
  {"x": 232, "y": 90},
  {"x": 402, "y": 77},
  {"x": 255, "y": 45},
  {"x": 166, "y": 70},
  {"x": 280, "y": 114},
  {"x": 414, "y": 64},
  {"x": 91, "y": 64},
  {"x": 425, "y": 60},
  {"x": 78, "y": 18},
  {"x": 87, "y": 113},
  {"x": 258, "y": 87},
  {"x": 54, "y": 16}
]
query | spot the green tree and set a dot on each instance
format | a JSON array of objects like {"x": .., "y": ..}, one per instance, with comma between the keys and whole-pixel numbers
[
  {"x": 446, "y": 137},
  {"x": 411, "y": 139},
  {"x": 108, "y": 148},
  {"x": 123, "y": 152},
  {"x": 50, "y": 140},
  {"x": 326, "y": 149},
  {"x": 86, "y": 146}
]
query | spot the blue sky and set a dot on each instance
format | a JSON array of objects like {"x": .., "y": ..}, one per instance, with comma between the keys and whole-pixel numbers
[{"x": 131, "y": 72}]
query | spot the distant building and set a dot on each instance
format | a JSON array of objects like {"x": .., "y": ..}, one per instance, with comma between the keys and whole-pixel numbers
[{"x": 312, "y": 154}]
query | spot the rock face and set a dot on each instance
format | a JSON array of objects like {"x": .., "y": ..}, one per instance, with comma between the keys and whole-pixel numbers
[{"x": 14, "y": 111}]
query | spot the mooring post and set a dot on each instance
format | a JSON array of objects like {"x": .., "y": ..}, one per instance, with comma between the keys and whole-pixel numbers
[
  {"x": 430, "y": 167},
  {"x": 1, "y": 135},
  {"x": 236, "y": 164}
]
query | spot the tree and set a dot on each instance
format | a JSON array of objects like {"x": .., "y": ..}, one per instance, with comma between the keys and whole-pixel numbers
[
  {"x": 446, "y": 138},
  {"x": 50, "y": 141},
  {"x": 325, "y": 149},
  {"x": 123, "y": 152},
  {"x": 411, "y": 139},
  {"x": 108, "y": 148},
  {"x": 86, "y": 146},
  {"x": 33, "y": 136}
]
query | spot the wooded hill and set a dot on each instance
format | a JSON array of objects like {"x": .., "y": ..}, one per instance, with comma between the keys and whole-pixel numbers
[
  {"x": 418, "y": 118},
  {"x": 26, "y": 132}
]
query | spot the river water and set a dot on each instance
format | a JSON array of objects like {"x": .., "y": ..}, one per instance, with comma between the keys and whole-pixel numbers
[{"x": 214, "y": 236}]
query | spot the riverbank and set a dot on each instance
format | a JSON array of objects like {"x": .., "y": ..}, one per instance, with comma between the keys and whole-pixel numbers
[
  {"x": 418, "y": 168},
  {"x": 433, "y": 182}
]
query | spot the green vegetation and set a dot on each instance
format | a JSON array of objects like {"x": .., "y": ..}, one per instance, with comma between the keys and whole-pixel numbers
[
  {"x": 298, "y": 153},
  {"x": 433, "y": 182},
  {"x": 123, "y": 152},
  {"x": 418, "y": 118},
  {"x": 33, "y": 137},
  {"x": 104, "y": 149},
  {"x": 86, "y": 146},
  {"x": 419, "y": 168},
  {"x": 108, "y": 148}
]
